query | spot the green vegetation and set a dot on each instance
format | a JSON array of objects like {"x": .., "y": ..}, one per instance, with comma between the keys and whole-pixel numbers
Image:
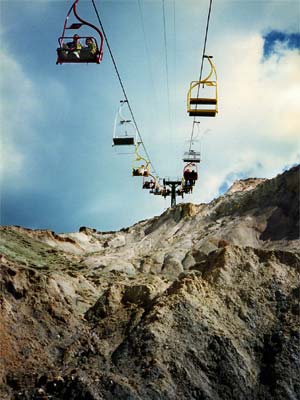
[{"x": 21, "y": 248}]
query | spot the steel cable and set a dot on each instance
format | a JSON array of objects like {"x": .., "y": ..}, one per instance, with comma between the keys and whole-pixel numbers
[
  {"x": 167, "y": 66},
  {"x": 122, "y": 86},
  {"x": 201, "y": 68}
]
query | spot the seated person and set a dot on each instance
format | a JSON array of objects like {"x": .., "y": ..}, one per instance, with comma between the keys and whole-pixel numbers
[
  {"x": 89, "y": 51},
  {"x": 165, "y": 192},
  {"x": 71, "y": 49},
  {"x": 194, "y": 175},
  {"x": 187, "y": 174},
  {"x": 180, "y": 192},
  {"x": 143, "y": 170},
  {"x": 152, "y": 184},
  {"x": 135, "y": 172}
]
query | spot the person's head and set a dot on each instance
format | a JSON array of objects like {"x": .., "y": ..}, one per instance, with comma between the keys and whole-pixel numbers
[
  {"x": 75, "y": 37},
  {"x": 89, "y": 40}
]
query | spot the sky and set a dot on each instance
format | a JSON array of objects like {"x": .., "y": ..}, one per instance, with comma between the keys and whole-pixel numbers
[{"x": 58, "y": 168}]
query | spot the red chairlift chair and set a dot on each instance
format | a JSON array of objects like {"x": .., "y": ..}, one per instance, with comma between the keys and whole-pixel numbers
[
  {"x": 190, "y": 173},
  {"x": 64, "y": 55}
]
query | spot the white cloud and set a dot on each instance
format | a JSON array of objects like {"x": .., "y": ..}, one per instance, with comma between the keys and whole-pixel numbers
[
  {"x": 24, "y": 105},
  {"x": 262, "y": 96},
  {"x": 18, "y": 107},
  {"x": 257, "y": 130}
]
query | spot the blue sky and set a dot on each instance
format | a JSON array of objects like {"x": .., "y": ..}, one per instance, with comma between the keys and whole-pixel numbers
[
  {"x": 58, "y": 168},
  {"x": 273, "y": 38}
]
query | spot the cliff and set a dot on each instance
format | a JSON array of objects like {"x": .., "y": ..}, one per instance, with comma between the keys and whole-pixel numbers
[{"x": 201, "y": 302}]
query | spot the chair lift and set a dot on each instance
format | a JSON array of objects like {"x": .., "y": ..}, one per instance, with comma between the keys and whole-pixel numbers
[
  {"x": 180, "y": 191},
  {"x": 186, "y": 187},
  {"x": 190, "y": 174},
  {"x": 165, "y": 192},
  {"x": 191, "y": 156},
  {"x": 125, "y": 133},
  {"x": 149, "y": 183},
  {"x": 143, "y": 169},
  {"x": 157, "y": 190},
  {"x": 83, "y": 55},
  {"x": 207, "y": 87}
]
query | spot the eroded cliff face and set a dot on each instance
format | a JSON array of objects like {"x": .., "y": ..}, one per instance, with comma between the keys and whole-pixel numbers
[{"x": 199, "y": 303}]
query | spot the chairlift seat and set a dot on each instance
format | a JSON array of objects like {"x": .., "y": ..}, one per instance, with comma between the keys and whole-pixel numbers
[
  {"x": 123, "y": 141},
  {"x": 202, "y": 113},
  {"x": 191, "y": 156},
  {"x": 66, "y": 56},
  {"x": 75, "y": 25},
  {"x": 136, "y": 172},
  {"x": 199, "y": 100},
  {"x": 190, "y": 159},
  {"x": 207, "y": 94}
]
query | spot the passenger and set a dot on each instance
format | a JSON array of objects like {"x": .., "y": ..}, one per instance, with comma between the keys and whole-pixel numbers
[
  {"x": 90, "y": 45},
  {"x": 89, "y": 51},
  {"x": 152, "y": 184},
  {"x": 73, "y": 47},
  {"x": 194, "y": 175},
  {"x": 180, "y": 192},
  {"x": 144, "y": 170},
  {"x": 187, "y": 174}
]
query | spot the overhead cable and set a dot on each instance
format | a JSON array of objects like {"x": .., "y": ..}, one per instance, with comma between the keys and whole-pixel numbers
[
  {"x": 122, "y": 86},
  {"x": 145, "y": 41},
  {"x": 201, "y": 68},
  {"x": 166, "y": 61},
  {"x": 148, "y": 55},
  {"x": 174, "y": 115}
]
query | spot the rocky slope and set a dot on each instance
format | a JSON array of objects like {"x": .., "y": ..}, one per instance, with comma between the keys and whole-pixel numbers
[{"x": 199, "y": 303}]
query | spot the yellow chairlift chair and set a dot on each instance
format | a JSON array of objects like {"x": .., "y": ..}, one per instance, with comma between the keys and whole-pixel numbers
[
  {"x": 199, "y": 106},
  {"x": 140, "y": 169}
]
